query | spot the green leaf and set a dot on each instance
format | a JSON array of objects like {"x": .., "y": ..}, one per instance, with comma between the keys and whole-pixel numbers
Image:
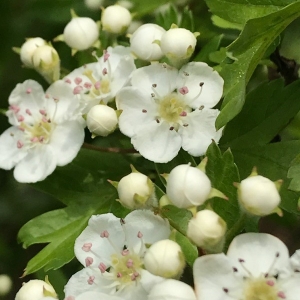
[
  {"x": 248, "y": 49},
  {"x": 273, "y": 162},
  {"x": 294, "y": 174},
  {"x": 142, "y": 8},
  {"x": 212, "y": 46},
  {"x": 267, "y": 110},
  {"x": 223, "y": 172},
  {"x": 240, "y": 11},
  {"x": 168, "y": 17},
  {"x": 82, "y": 180},
  {"x": 178, "y": 217},
  {"x": 187, "y": 19},
  {"x": 189, "y": 250}
]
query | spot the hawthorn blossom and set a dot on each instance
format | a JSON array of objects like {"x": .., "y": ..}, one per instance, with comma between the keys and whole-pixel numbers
[
  {"x": 100, "y": 81},
  {"x": 166, "y": 109},
  {"x": 257, "y": 266},
  {"x": 112, "y": 251},
  {"x": 47, "y": 130}
]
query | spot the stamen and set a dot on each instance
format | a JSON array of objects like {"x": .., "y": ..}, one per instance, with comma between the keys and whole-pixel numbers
[
  {"x": 77, "y": 80},
  {"x": 67, "y": 80},
  {"x": 86, "y": 247},
  {"x": 122, "y": 221},
  {"x": 28, "y": 112},
  {"x": 241, "y": 261},
  {"x": 129, "y": 263},
  {"x": 102, "y": 267},
  {"x": 28, "y": 91},
  {"x": 171, "y": 128},
  {"x": 104, "y": 72},
  {"x": 77, "y": 90},
  {"x": 43, "y": 112},
  {"x": 125, "y": 252},
  {"x": 183, "y": 114},
  {"x": 20, "y": 118},
  {"x": 88, "y": 261},
  {"x": 106, "y": 55},
  {"x": 14, "y": 108},
  {"x": 139, "y": 235},
  {"x": 104, "y": 234},
  {"x": 97, "y": 85},
  {"x": 87, "y": 85},
  {"x": 281, "y": 295},
  {"x": 225, "y": 290},
  {"x": 157, "y": 121},
  {"x": 20, "y": 144},
  {"x": 91, "y": 280},
  {"x": 186, "y": 73},
  {"x": 270, "y": 282},
  {"x": 235, "y": 269},
  {"x": 144, "y": 110},
  {"x": 184, "y": 90},
  {"x": 119, "y": 275},
  {"x": 272, "y": 265},
  {"x": 154, "y": 85}
]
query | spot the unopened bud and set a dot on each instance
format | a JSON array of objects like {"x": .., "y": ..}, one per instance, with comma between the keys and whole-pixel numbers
[
  {"x": 5, "y": 284},
  {"x": 207, "y": 230},
  {"x": 35, "y": 290},
  {"x": 28, "y": 48},
  {"x": 135, "y": 190},
  {"x": 143, "y": 42},
  {"x": 258, "y": 195},
  {"x": 178, "y": 44},
  {"x": 81, "y": 33},
  {"x": 46, "y": 62},
  {"x": 187, "y": 186},
  {"x": 93, "y": 4},
  {"x": 171, "y": 289},
  {"x": 115, "y": 19},
  {"x": 101, "y": 120},
  {"x": 165, "y": 258}
]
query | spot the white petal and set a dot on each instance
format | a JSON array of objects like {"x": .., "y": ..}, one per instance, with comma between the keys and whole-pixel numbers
[
  {"x": 153, "y": 228},
  {"x": 212, "y": 89},
  {"x": 96, "y": 296},
  {"x": 101, "y": 248},
  {"x": 66, "y": 141},
  {"x": 29, "y": 96},
  {"x": 133, "y": 103},
  {"x": 214, "y": 273},
  {"x": 164, "y": 78},
  {"x": 67, "y": 106},
  {"x": 78, "y": 283},
  {"x": 157, "y": 142},
  {"x": 37, "y": 165},
  {"x": 295, "y": 261},
  {"x": 290, "y": 287},
  {"x": 10, "y": 153},
  {"x": 261, "y": 253},
  {"x": 198, "y": 135}
]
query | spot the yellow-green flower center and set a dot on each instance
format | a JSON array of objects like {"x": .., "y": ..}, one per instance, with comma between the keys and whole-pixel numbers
[
  {"x": 260, "y": 289},
  {"x": 39, "y": 131},
  {"x": 126, "y": 267},
  {"x": 171, "y": 107}
]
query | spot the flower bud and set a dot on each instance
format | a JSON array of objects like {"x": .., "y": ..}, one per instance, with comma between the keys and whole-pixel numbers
[
  {"x": 206, "y": 229},
  {"x": 171, "y": 289},
  {"x": 5, "y": 285},
  {"x": 101, "y": 120},
  {"x": 258, "y": 195},
  {"x": 178, "y": 44},
  {"x": 81, "y": 33},
  {"x": 135, "y": 190},
  {"x": 187, "y": 186},
  {"x": 93, "y": 4},
  {"x": 165, "y": 258},
  {"x": 115, "y": 19},
  {"x": 28, "y": 48},
  {"x": 143, "y": 42},
  {"x": 35, "y": 290},
  {"x": 46, "y": 62}
]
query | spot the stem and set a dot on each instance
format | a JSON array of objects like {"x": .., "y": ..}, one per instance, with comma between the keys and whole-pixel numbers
[
  {"x": 107, "y": 149},
  {"x": 3, "y": 111},
  {"x": 235, "y": 229}
]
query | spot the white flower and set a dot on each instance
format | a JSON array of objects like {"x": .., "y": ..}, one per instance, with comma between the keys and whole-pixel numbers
[
  {"x": 5, "y": 284},
  {"x": 100, "y": 81},
  {"x": 171, "y": 289},
  {"x": 142, "y": 42},
  {"x": 257, "y": 266},
  {"x": 101, "y": 120},
  {"x": 112, "y": 251},
  {"x": 47, "y": 130},
  {"x": 81, "y": 33},
  {"x": 93, "y": 296},
  {"x": 187, "y": 186},
  {"x": 93, "y": 4},
  {"x": 36, "y": 290},
  {"x": 166, "y": 109},
  {"x": 115, "y": 19},
  {"x": 165, "y": 258},
  {"x": 28, "y": 48}
]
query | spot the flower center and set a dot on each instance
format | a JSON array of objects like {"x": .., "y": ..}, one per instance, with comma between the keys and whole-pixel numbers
[
  {"x": 126, "y": 267},
  {"x": 260, "y": 289},
  {"x": 171, "y": 108}
]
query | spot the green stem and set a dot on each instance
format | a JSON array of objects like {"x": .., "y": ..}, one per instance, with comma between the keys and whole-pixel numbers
[
  {"x": 236, "y": 229},
  {"x": 107, "y": 149},
  {"x": 3, "y": 111}
]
